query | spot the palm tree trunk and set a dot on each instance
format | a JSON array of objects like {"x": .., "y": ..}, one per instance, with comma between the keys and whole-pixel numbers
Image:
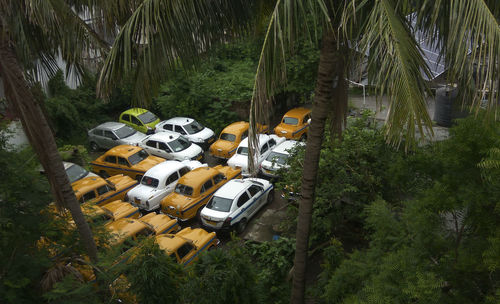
[
  {"x": 23, "y": 104},
  {"x": 330, "y": 79}
]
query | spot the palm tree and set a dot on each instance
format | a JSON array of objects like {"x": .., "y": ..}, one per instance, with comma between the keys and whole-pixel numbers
[
  {"x": 32, "y": 35},
  {"x": 394, "y": 65}
]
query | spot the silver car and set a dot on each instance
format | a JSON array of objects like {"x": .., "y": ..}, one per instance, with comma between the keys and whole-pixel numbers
[{"x": 110, "y": 134}]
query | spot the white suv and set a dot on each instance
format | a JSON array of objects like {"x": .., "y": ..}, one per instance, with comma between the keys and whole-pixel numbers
[
  {"x": 278, "y": 157},
  {"x": 171, "y": 145},
  {"x": 240, "y": 158},
  {"x": 189, "y": 128},
  {"x": 235, "y": 203},
  {"x": 158, "y": 182}
]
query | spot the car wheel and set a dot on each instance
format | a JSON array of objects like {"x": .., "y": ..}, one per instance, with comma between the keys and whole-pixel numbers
[
  {"x": 240, "y": 227},
  {"x": 103, "y": 174},
  {"x": 270, "y": 197},
  {"x": 94, "y": 147}
]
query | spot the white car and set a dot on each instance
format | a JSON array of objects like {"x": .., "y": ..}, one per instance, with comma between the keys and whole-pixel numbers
[
  {"x": 235, "y": 203},
  {"x": 189, "y": 128},
  {"x": 240, "y": 158},
  {"x": 171, "y": 145},
  {"x": 278, "y": 157},
  {"x": 110, "y": 134},
  {"x": 158, "y": 182}
]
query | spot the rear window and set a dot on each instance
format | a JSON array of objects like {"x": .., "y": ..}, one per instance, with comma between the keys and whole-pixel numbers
[
  {"x": 125, "y": 131},
  {"x": 184, "y": 190},
  {"x": 75, "y": 173},
  {"x": 228, "y": 137},
  {"x": 220, "y": 204},
  {"x": 290, "y": 121},
  {"x": 242, "y": 151},
  {"x": 149, "y": 181},
  {"x": 147, "y": 117}
]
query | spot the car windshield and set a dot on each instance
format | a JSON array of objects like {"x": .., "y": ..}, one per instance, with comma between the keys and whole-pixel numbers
[
  {"x": 147, "y": 117},
  {"x": 75, "y": 173},
  {"x": 278, "y": 158},
  {"x": 149, "y": 181},
  {"x": 138, "y": 157},
  {"x": 125, "y": 131},
  {"x": 193, "y": 127},
  {"x": 290, "y": 121},
  {"x": 179, "y": 144},
  {"x": 184, "y": 190},
  {"x": 228, "y": 136},
  {"x": 242, "y": 151},
  {"x": 220, "y": 204}
]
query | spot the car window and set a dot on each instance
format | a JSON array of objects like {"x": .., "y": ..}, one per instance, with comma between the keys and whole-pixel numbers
[
  {"x": 194, "y": 127},
  {"x": 184, "y": 250},
  {"x": 75, "y": 173},
  {"x": 220, "y": 204},
  {"x": 97, "y": 132},
  {"x": 183, "y": 171},
  {"x": 184, "y": 190},
  {"x": 179, "y": 129},
  {"x": 264, "y": 148},
  {"x": 149, "y": 181},
  {"x": 126, "y": 117},
  {"x": 179, "y": 144},
  {"x": 172, "y": 178},
  {"x": 147, "y": 117},
  {"x": 122, "y": 161},
  {"x": 138, "y": 157},
  {"x": 278, "y": 158},
  {"x": 168, "y": 127},
  {"x": 290, "y": 121},
  {"x": 136, "y": 121},
  {"x": 103, "y": 189},
  {"x": 163, "y": 146},
  {"x": 218, "y": 178},
  {"x": 151, "y": 143},
  {"x": 228, "y": 136},
  {"x": 271, "y": 143},
  {"x": 110, "y": 159},
  {"x": 243, "y": 199},
  {"x": 242, "y": 151},
  {"x": 244, "y": 135},
  {"x": 206, "y": 186},
  {"x": 109, "y": 135},
  {"x": 124, "y": 132},
  {"x": 254, "y": 189},
  {"x": 89, "y": 196}
]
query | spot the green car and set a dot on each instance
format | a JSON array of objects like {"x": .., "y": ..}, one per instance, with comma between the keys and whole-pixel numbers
[{"x": 140, "y": 119}]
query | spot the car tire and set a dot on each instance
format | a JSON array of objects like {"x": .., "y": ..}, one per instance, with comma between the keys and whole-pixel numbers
[
  {"x": 270, "y": 197},
  {"x": 240, "y": 227},
  {"x": 94, "y": 146},
  {"x": 103, "y": 174}
]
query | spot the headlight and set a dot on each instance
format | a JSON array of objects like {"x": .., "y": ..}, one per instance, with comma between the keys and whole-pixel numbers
[{"x": 284, "y": 132}]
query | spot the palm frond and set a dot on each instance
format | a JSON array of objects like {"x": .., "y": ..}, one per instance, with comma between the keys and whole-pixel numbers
[
  {"x": 289, "y": 20},
  {"x": 394, "y": 66},
  {"x": 163, "y": 35}
]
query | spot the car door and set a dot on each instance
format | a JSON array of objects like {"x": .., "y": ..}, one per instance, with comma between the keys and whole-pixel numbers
[
  {"x": 264, "y": 151},
  {"x": 123, "y": 166},
  {"x": 256, "y": 199},
  {"x": 165, "y": 150},
  {"x": 104, "y": 194},
  {"x": 152, "y": 148},
  {"x": 112, "y": 166},
  {"x": 179, "y": 130},
  {"x": 109, "y": 139},
  {"x": 98, "y": 138},
  {"x": 242, "y": 204},
  {"x": 170, "y": 182},
  {"x": 138, "y": 125}
]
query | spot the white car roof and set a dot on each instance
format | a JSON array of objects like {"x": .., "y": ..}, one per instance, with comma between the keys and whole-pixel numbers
[
  {"x": 164, "y": 168},
  {"x": 110, "y": 125},
  {"x": 179, "y": 120},
  {"x": 286, "y": 145},
  {"x": 263, "y": 138},
  {"x": 165, "y": 136},
  {"x": 232, "y": 188}
]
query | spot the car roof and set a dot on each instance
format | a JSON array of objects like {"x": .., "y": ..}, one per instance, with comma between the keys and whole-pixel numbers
[
  {"x": 125, "y": 227},
  {"x": 197, "y": 176},
  {"x": 123, "y": 150},
  {"x": 164, "y": 135},
  {"x": 263, "y": 138},
  {"x": 286, "y": 145},
  {"x": 110, "y": 125},
  {"x": 88, "y": 183},
  {"x": 232, "y": 188},
  {"x": 297, "y": 112},
  {"x": 135, "y": 111},
  {"x": 164, "y": 168},
  {"x": 236, "y": 127},
  {"x": 179, "y": 120}
]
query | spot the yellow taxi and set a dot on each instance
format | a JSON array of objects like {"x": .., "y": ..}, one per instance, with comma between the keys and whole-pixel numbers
[
  {"x": 186, "y": 245},
  {"x": 194, "y": 189},
  {"x": 230, "y": 138},
  {"x": 110, "y": 212},
  {"x": 100, "y": 191},
  {"x": 127, "y": 231},
  {"x": 125, "y": 159},
  {"x": 294, "y": 124}
]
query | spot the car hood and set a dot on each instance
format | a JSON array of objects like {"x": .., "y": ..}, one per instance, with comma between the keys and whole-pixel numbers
[
  {"x": 286, "y": 128},
  {"x": 178, "y": 201},
  {"x": 224, "y": 146},
  {"x": 204, "y": 134},
  {"x": 214, "y": 215},
  {"x": 188, "y": 153},
  {"x": 134, "y": 139}
]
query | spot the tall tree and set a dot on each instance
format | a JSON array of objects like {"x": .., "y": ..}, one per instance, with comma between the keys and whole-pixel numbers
[
  {"x": 395, "y": 64},
  {"x": 32, "y": 35}
]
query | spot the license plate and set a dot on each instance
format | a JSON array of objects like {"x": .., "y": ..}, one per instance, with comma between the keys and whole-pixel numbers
[{"x": 211, "y": 222}]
